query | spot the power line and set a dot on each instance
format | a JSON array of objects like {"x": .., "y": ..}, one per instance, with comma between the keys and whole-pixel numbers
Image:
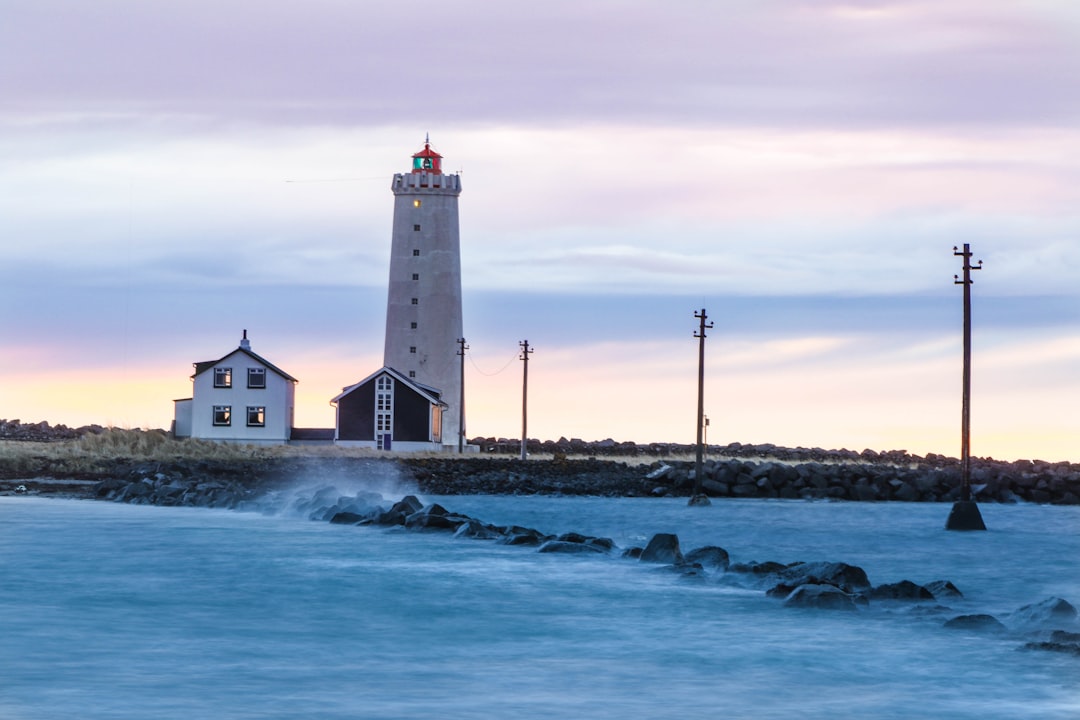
[{"x": 472, "y": 360}]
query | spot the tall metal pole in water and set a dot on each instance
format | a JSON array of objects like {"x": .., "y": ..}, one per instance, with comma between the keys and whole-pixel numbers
[
  {"x": 462, "y": 347},
  {"x": 525, "y": 352},
  {"x": 698, "y": 497},
  {"x": 965, "y": 513}
]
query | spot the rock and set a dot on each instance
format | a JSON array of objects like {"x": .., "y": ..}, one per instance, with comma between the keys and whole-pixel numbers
[
  {"x": 709, "y": 556},
  {"x": 434, "y": 517},
  {"x": 903, "y": 590},
  {"x": 848, "y": 578},
  {"x": 825, "y": 597},
  {"x": 662, "y": 548},
  {"x": 346, "y": 518},
  {"x": 768, "y": 567},
  {"x": 979, "y": 622},
  {"x": 943, "y": 589},
  {"x": 473, "y": 528},
  {"x": 517, "y": 535},
  {"x": 563, "y": 546},
  {"x": 1052, "y": 612}
]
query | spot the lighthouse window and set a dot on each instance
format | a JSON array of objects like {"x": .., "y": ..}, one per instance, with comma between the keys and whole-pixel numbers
[
  {"x": 416, "y": 253},
  {"x": 412, "y": 349},
  {"x": 416, "y": 203},
  {"x": 412, "y": 373},
  {"x": 416, "y": 228},
  {"x": 416, "y": 301},
  {"x": 416, "y": 276},
  {"x": 412, "y": 326}
]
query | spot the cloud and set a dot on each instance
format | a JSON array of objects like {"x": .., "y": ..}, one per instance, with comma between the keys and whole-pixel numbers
[{"x": 698, "y": 63}]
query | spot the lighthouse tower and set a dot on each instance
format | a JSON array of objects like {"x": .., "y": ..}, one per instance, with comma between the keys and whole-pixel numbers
[{"x": 423, "y": 308}]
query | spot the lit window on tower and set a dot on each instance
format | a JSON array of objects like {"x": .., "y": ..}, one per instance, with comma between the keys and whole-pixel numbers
[{"x": 416, "y": 203}]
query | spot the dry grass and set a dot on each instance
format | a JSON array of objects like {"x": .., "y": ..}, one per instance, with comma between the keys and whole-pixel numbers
[{"x": 94, "y": 453}]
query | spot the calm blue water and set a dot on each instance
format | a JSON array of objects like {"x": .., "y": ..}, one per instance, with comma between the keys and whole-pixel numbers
[{"x": 118, "y": 611}]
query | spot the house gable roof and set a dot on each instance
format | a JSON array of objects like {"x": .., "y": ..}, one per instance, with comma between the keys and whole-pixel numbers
[
  {"x": 201, "y": 367},
  {"x": 429, "y": 393}
]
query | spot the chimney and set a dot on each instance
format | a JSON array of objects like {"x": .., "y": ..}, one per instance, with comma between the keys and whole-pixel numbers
[{"x": 244, "y": 344}]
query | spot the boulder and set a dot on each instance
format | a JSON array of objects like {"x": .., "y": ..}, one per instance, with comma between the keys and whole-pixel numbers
[
  {"x": 943, "y": 589},
  {"x": 473, "y": 528},
  {"x": 824, "y": 597},
  {"x": 848, "y": 578},
  {"x": 903, "y": 590},
  {"x": 709, "y": 556},
  {"x": 434, "y": 517},
  {"x": 564, "y": 546},
  {"x": 662, "y": 548},
  {"x": 1051, "y": 613}
]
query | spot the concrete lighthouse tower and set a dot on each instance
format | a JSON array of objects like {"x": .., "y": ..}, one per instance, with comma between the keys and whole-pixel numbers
[{"x": 423, "y": 308}]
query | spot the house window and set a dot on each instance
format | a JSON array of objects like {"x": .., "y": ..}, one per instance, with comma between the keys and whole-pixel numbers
[
  {"x": 412, "y": 326},
  {"x": 416, "y": 203},
  {"x": 416, "y": 276},
  {"x": 412, "y": 349},
  {"x": 416, "y": 301},
  {"x": 223, "y": 378},
  {"x": 416, "y": 253},
  {"x": 257, "y": 378},
  {"x": 223, "y": 415},
  {"x": 256, "y": 416},
  {"x": 416, "y": 228}
]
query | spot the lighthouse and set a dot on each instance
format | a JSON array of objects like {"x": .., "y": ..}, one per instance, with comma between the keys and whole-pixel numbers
[{"x": 423, "y": 307}]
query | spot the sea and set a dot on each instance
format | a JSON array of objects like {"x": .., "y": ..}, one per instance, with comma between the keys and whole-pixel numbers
[{"x": 115, "y": 611}]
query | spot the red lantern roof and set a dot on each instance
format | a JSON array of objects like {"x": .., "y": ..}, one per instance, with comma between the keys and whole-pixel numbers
[{"x": 427, "y": 160}]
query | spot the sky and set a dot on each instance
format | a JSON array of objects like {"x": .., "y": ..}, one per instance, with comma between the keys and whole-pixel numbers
[{"x": 172, "y": 173}]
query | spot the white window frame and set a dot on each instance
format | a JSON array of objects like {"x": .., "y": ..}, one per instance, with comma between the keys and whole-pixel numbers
[
  {"x": 223, "y": 377},
  {"x": 260, "y": 375},
  {"x": 260, "y": 412},
  {"x": 222, "y": 416}
]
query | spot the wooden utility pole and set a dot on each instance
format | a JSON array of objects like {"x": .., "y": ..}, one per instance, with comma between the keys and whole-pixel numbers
[
  {"x": 525, "y": 352},
  {"x": 698, "y": 497},
  {"x": 965, "y": 513},
  {"x": 462, "y": 347}
]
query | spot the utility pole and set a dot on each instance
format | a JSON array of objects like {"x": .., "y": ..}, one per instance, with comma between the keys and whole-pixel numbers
[
  {"x": 462, "y": 347},
  {"x": 698, "y": 497},
  {"x": 965, "y": 513},
  {"x": 525, "y": 352}
]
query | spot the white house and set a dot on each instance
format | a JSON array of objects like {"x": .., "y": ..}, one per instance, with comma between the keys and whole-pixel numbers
[{"x": 241, "y": 398}]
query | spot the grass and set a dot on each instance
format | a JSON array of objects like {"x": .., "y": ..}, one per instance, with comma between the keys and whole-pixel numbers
[{"x": 94, "y": 454}]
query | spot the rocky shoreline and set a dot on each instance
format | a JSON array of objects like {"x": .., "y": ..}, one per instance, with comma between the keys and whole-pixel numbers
[
  {"x": 553, "y": 468},
  {"x": 226, "y": 483}
]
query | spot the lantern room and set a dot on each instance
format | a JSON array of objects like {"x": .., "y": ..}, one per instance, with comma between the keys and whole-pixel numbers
[{"x": 427, "y": 160}]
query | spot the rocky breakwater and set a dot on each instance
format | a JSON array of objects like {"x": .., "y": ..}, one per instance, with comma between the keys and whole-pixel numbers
[
  {"x": 873, "y": 477},
  {"x": 505, "y": 476},
  {"x": 1050, "y": 624},
  {"x": 241, "y": 485}
]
